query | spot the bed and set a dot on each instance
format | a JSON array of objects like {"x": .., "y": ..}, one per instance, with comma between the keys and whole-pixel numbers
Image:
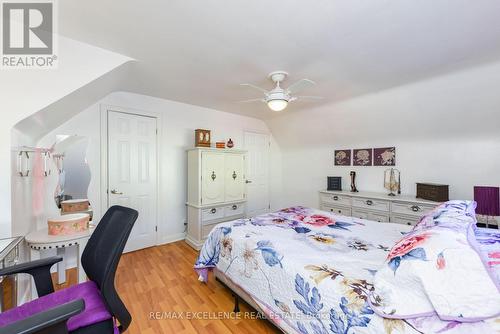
[{"x": 310, "y": 271}]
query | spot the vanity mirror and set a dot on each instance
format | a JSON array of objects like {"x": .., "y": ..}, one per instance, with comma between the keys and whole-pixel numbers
[{"x": 69, "y": 154}]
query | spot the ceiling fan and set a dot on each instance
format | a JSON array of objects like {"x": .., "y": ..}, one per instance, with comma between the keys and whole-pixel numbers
[{"x": 278, "y": 98}]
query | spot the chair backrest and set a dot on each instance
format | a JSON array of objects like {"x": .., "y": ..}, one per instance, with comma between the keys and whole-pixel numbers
[{"x": 102, "y": 254}]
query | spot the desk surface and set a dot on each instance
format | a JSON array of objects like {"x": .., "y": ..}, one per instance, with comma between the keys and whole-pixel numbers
[{"x": 43, "y": 237}]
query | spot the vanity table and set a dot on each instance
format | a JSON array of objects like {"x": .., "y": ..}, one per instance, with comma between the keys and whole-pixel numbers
[
  {"x": 40, "y": 240},
  {"x": 9, "y": 256}
]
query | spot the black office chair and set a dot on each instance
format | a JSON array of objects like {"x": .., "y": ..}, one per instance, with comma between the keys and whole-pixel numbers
[{"x": 55, "y": 312}]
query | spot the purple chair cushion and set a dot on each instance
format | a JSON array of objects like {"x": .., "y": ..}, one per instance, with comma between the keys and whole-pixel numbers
[{"x": 95, "y": 311}]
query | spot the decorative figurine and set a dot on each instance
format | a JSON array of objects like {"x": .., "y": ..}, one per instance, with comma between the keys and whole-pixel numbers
[
  {"x": 230, "y": 143},
  {"x": 353, "y": 182}
]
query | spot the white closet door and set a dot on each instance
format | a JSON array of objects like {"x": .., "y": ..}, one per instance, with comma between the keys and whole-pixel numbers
[
  {"x": 212, "y": 174},
  {"x": 132, "y": 172},
  {"x": 234, "y": 182},
  {"x": 257, "y": 173}
]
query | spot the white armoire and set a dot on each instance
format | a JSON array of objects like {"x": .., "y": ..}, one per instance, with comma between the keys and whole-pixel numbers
[{"x": 216, "y": 190}]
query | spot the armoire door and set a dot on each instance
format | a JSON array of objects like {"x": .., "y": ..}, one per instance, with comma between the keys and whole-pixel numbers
[
  {"x": 234, "y": 183},
  {"x": 212, "y": 175}
]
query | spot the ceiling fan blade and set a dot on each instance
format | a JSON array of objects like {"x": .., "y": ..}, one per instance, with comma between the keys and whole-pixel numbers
[
  {"x": 256, "y": 87},
  {"x": 251, "y": 100},
  {"x": 295, "y": 87},
  {"x": 308, "y": 97}
]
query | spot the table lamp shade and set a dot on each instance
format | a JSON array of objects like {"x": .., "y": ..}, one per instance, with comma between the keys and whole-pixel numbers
[{"x": 488, "y": 200}]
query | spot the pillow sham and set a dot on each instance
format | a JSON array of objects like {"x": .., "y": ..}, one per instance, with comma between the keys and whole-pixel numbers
[
  {"x": 452, "y": 209},
  {"x": 437, "y": 269}
]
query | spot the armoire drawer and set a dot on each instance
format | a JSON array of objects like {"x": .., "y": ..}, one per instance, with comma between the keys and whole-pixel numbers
[
  {"x": 405, "y": 220},
  {"x": 339, "y": 210},
  {"x": 335, "y": 199},
  {"x": 234, "y": 210},
  {"x": 371, "y": 204},
  {"x": 412, "y": 209},
  {"x": 212, "y": 214},
  {"x": 206, "y": 229}
]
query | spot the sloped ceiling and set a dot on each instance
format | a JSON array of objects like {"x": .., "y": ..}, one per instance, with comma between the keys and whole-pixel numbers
[{"x": 198, "y": 52}]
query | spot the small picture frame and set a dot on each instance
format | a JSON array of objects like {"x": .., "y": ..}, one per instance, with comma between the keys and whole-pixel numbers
[
  {"x": 362, "y": 157},
  {"x": 342, "y": 158},
  {"x": 384, "y": 156}
]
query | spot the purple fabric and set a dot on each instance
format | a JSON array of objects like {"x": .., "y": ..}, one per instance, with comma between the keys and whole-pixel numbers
[
  {"x": 488, "y": 200},
  {"x": 95, "y": 311}
]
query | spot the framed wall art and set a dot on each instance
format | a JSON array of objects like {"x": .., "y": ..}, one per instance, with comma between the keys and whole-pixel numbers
[
  {"x": 342, "y": 157},
  {"x": 362, "y": 157},
  {"x": 385, "y": 156}
]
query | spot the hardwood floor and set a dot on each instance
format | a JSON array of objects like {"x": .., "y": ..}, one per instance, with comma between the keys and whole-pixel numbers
[{"x": 161, "y": 279}]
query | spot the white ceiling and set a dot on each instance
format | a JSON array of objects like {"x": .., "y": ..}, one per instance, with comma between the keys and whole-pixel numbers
[{"x": 199, "y": 51}]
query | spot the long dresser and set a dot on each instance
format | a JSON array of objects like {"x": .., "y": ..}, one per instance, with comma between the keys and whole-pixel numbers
[{"x": 376, "y": 206}]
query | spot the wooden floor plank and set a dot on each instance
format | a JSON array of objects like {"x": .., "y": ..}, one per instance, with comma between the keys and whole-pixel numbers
[{"x": 162, "y": 279}]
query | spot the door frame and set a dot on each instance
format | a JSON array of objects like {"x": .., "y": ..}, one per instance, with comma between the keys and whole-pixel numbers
[
  {"x": 104, "y": 110},
  {"x": 268, "y": 134}
]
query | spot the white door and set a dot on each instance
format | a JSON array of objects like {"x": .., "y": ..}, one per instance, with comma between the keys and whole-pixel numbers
[
  {"x": 132, "y": 172},
  {"x": 212, "y": 176},
  {"x": 257, "y": 173},
  {"x": 235, "y": 182}
]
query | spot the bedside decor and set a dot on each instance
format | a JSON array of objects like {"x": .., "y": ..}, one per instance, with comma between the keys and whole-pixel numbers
[
  {"x": 353, "y": 182},
  {"x": 488, "y": 203},
  {"x": 202, "y": 138},
  {"x": 334, "y": 183},
  {"x": 433, "y": 192},
  {"x": 220, "y": 144},
  {"x": 362, "y": 157},
  {"x": 342, "y": 157},
  {"x": 230, "y": 143},
  {"x": 75, "y": 205},
  {"x": 392, "y": 179},
  {"x": 385, "y": 156}
]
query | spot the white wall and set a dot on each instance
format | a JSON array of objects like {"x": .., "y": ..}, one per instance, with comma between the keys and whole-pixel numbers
[
  {"x": 446, "y": 130},
  {"x": 178, "y": 123}
]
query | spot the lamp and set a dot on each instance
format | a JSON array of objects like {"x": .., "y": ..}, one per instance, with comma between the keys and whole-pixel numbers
[
  {"x": 277, "y": 105},
  {"x": 488, "y": 201}
]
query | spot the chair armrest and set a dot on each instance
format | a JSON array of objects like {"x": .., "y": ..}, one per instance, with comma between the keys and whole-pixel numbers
[
  {"x": 51, "y": 321},
  {"x": 39, "y": 269}
]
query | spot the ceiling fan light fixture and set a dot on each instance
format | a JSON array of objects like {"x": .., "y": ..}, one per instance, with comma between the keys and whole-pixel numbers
[{"x": 277, "y": 105}]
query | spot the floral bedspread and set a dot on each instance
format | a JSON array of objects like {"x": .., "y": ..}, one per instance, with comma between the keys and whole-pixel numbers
[{"x": 311, "y": 271}]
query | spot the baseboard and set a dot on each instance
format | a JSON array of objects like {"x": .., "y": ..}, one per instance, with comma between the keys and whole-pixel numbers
[{"x": 172, "y": 238}]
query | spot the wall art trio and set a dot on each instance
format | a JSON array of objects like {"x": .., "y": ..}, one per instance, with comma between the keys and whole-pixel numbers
[{"x": 383, "y": 156}]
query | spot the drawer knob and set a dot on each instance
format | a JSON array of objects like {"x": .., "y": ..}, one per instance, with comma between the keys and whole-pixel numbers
[
  {"x": 214, "y": 210},
  {"x": 415, "y": 208},
  {"x": 234, "y": 175},
  {"x": 213, "y": 176},
  {"x": 408, "y": 223},
  {"x": 234, "y": 207},
  {"x": 369, "y": 202},
  {"x": 335, "y": 198}
]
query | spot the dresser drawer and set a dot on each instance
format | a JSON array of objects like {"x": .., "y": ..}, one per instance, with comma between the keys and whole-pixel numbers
[
  {"x": 372, "y": 204},
  {"x": 381, "y": 217},
  {"x": 206, "y": 229},
  {"x": 234, "y": 210},
  {"x": 335, "y": 199},
  {"x": 412, "y": 209},
  {"x": 405, "y": 220},
  {"x": 339, "y": 210},
  {"x": 212, "y": 214}
]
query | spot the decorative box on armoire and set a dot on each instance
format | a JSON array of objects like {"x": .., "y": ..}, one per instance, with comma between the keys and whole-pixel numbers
[{"x": 216, "y": 190}]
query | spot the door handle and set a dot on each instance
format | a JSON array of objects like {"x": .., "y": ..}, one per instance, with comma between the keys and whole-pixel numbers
[
  {"x": 248, "y": 181},
  {"x": 115, "y": 192}
]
